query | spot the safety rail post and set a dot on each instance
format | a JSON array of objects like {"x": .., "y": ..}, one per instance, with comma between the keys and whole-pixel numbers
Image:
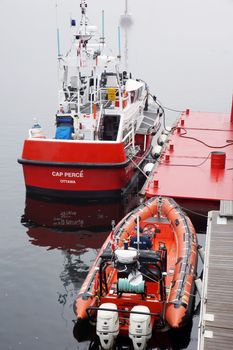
[{"x": 232, "y": 110}]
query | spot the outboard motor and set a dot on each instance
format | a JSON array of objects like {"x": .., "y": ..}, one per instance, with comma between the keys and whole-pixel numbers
[
  {"x": 107, "y": 327},
  {"x": 140, "y": 329}
]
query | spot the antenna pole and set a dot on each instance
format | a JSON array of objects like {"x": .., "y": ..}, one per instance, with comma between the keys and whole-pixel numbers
[
  {"x": 58, "y": 33},
  {"x": 103, "y": 23},
  {"x": 59, "y": 55},
  {"x": 126, "y": 7},
  {"x": 232, "y": 110},
  {"x": 102, "y": 39},
  {"x": 58, "y": 43},
  {"x": 126, "y": 22},
  {"x": 138, "y": 235},
  {"x": 119, "y": 42}
]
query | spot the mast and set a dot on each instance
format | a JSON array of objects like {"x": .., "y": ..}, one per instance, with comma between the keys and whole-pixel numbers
[
  {"x": 59, "y": 55},
  {"x": 126, "y": 22},
  {"x": 83, "y": 36},
  {"x": 102, "y": 38}
]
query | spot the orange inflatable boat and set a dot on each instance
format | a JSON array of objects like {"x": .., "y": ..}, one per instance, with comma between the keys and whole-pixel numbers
[{"x": 143, "y": 277}]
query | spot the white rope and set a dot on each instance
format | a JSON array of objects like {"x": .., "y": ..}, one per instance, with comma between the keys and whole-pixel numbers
[{"x": 139, "y": 168}]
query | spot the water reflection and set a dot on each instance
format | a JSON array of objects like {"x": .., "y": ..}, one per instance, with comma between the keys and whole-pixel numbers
[
  {"x": 75, "y": 215},
  {"x": 75, "y": 229}
]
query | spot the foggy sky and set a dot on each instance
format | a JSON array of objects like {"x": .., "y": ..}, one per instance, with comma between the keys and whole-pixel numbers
[{"x": 182, "y": 48}]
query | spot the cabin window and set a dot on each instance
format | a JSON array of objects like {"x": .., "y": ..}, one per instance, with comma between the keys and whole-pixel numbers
[
  {"x": 134, "y": 95},
  {"x": 140, "y": 92},
  {"x": 109, "y": 80},
  {"x": 110, "y": 127}
]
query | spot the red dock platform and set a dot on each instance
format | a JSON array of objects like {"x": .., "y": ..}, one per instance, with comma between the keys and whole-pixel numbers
[{"x": 196, "y": 165}]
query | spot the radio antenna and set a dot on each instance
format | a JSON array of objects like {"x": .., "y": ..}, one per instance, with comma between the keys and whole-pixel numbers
[
  {"x": 102, "y": 38},
  {"x": 59, "y": 54},
  {"x": 58, "y": 33},
  {"x": 119, "y": 43}
]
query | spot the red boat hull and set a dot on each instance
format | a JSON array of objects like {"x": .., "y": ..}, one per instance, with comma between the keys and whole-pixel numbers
[{"x": 75, "y": 169}]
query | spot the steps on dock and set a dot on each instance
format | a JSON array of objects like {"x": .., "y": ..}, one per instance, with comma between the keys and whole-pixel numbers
[{"x": 226, "y": 208}]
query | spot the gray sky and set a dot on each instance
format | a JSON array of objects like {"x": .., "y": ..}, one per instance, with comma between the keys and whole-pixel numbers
[{"x": 182, "y": 48}]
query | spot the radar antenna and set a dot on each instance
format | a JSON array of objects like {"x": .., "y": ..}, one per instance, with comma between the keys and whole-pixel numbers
[{"x": 83, "y": 6}]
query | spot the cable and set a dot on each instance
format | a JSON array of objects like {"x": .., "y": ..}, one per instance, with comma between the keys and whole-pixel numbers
[
  {"x": 152, "y": 279},
  {"x": 230, "y": 142},
  {"x": 190, "y": 165},
  {"x": 162, "y": 113},
  {"x": 150, "y": 159},
  {"x": 194, "y": 212},
  {"x": 170, "y": 109},
  {"x": 173, "y": 110},
  {"x": 138, "y": 168}
]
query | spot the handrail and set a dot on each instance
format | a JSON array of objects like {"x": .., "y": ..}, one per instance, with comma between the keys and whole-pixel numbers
[
  {"x": 73, "y": 96},
  {"x": 123, "y": 311},
  {"x": 99, "y": 119},
  {"x": 129, "y": 135}
]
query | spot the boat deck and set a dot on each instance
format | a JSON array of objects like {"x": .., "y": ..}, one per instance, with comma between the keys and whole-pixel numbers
[
  {"x": 187, "y": 168},
  {"x": 216, "y": 321}
]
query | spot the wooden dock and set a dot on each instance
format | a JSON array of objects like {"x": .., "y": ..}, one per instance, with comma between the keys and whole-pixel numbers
[{"x": 216, "y": 316}]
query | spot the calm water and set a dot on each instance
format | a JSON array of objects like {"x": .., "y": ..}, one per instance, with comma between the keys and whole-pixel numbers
[{"x": 183, "y": 49}]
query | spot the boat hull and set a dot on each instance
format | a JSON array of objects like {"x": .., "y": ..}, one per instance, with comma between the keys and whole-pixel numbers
[
  {"x": 75, "y": 169},
  {"x": 65, "y": 182}
]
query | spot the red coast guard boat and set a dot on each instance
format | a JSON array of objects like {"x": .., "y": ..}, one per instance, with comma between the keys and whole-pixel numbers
[
  {"x": 142, "y": 280},
  {"x": 103, "y": 126}
]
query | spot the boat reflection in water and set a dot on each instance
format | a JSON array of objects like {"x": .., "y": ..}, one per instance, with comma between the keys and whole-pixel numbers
[
  {"x": 77, "y": 229},
  {"x": 73, "y": 227},
  {"x": 76, "y": 215}
]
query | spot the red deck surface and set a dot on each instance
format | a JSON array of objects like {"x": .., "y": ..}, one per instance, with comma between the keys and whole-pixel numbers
[{"x": 187, "y": 174}]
